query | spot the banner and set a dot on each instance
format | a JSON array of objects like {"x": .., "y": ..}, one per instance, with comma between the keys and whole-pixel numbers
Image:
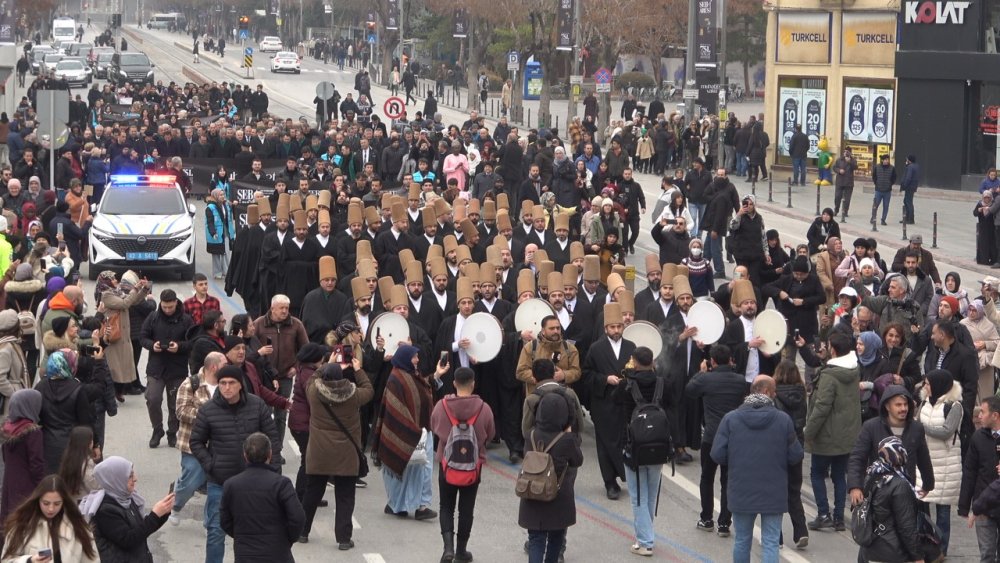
[
  {"x": 813, "y": 117},
  {"x": 706, "y": 53},
  {"x": 459, "y": 24},
  {"x": 201, "y": 170},
  {"x": 882, "y": 115},
  {"x": 804, "y": 37},
  {"x": 6, "y": 29},
  {"x": 790, "y": 106},
  {"x": 392, "y": 15},
  {"x": 856, "y": 125},
  {"x": 564, "y": 23},
  {"x": 869, "y": 38}
]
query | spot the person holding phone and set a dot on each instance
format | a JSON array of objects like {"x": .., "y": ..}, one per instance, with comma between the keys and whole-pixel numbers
[
  {"x": 164, "y": 335},
  {"x": 49, "y": 513}
]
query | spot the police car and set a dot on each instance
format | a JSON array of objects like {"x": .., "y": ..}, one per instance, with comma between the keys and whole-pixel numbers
[{"x": 143, "y": 223}]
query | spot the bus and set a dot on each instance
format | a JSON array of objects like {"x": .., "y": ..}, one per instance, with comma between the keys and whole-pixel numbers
[
  {"x": 64, "y": 30},
  {"x": 172, "y": 20}
]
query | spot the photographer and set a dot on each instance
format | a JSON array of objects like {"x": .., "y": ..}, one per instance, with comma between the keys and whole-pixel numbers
[
  {"x": 896, "y": 306},
  {"x": 163, "y": 334}
]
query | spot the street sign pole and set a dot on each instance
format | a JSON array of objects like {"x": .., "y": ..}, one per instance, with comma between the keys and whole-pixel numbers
[{"x": 690, "y": 80}]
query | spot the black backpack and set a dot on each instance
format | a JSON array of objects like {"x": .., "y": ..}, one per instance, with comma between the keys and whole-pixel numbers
[
  {"x": 864, "y": 529},
  {"x": 648, "y": 439}
]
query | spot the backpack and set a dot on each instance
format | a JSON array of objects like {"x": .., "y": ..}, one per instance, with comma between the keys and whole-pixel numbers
[
  {"x": 26, "y": 318},
  {"x": 864, "y": 529},
  {"x": 648, "y": 440},
  {"x": 538, "y": 478},
  {"x": 111, "y": 327},
  {"x": 460, "y": 462}
]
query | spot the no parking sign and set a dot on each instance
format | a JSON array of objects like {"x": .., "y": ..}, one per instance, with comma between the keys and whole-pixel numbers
[{"x": 394, "y": 108}]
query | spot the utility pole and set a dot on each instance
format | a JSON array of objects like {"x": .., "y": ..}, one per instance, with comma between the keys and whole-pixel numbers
[
  {"x": 577, "y": 63},
  {"x": 723, "y": 82},
  {"x": 690, "y": 80}
]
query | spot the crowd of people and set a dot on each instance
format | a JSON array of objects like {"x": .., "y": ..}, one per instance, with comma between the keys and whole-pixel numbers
[{"x": 886, "y": 375}]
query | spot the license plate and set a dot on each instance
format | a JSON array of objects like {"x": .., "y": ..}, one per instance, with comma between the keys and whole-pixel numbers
[{"x": 144, "y": 256}]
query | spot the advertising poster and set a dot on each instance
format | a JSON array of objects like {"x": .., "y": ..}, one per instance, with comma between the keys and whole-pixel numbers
[
  {"x": 565, "y": 26},
  {"x": 881, "y": 102},
  {"x": 392, "y": 15},
  {"x": 863, "y": 156},
  {"x": 706, "y": 32},
  {"x": 459, "y": 25},
  {"x": 804, "y": 37},
  {"x": 813, "y": 117},
  {"x": 869, "y": 38},
  {"x": 856, "y": 114},
  {"x": 790, "y": 100}
]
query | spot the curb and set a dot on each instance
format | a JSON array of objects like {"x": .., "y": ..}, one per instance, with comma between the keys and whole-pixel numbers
[{"x": 201, "y": 56}]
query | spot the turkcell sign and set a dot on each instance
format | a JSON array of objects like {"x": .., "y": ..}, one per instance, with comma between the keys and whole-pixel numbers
[
  {"x": 798, "y": 37},
  {"x": 936, "y": 12}
]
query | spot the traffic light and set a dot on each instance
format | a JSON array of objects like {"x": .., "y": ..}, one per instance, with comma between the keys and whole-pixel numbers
[{"x": 244, "y": 23}]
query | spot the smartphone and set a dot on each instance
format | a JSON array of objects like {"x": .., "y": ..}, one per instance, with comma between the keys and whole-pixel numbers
[
  {"x": 796, "y": 334},
  {"x": 59, "y": 228},
  {"x": 443, "y": 360},
  {"x": 737, "y": 275},
  {"x": 171, "y": 486},
  {"x": 269, "y": 341},
  {"x": 62, "y": 245},
  {"x": 90, "y": 350},
  {"x": 348, "y": 353},
  {"x": 47, "y": 552},
  {"x": 556, "y": 357},
  {"x": 164, "y": 345},
  {"x": 337, "y": 354},
  {"x": 378, "y": 332},
  {"x": 75, "y": 278}
]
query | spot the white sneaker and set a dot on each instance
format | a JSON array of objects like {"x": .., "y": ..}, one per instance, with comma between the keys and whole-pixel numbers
[
  {"x": 640, "y": 550},
  {"x": 174, "y": 518}
]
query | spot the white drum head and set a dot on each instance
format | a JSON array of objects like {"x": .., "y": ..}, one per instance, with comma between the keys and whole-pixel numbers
[
  {"x": 485, "y": 336},
  {"x": 393, "y": 328},
  {"x": 772, "y": 327},
  {"x": 529, "y": 315},
  {"x": 643, "y": 333},
  {"x": 710, "y": 321}
]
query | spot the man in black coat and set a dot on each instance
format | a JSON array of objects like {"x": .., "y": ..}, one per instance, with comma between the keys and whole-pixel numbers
[
  {"x": 222, "y": 426},
  {"x": 164, "y": 334},
  {"x": 979, "y": 469},
  {"x": 673, "y": 241},
  {"x": 259, "y": 102},
  {"x": 746, "y": 241},
  {"x": 634, "y": 201},
  {"x": 324, "y": 306},
  {"x": 259, "y": 508},
  {"x": 798, "y": 295},
  {"x": 798, "y": 149}
]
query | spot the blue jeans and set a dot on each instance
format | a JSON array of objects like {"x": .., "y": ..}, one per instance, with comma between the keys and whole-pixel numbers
[
  {"x": 713, "y": 252},
  {"x": 908, "y": 204},
  {"x": 770, "y": 529},
  {"x": 697, "y": 210},
  {"x": 741, "y": 163},
  {"x": 836, "y": 465},
  {"x": 798, "y": 171},
  {"x": 643, "y": 486},
  {"x": 191, "y": 479},
  {"x": 943, "y": 523},
  {"x": 545, "y": 546},
  {"x": 883, "y": 199},
  {"x": 215, "y": 544}
]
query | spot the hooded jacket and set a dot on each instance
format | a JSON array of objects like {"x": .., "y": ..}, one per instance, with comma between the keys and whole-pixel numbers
[
  {"x": 463, "y": 409},
  {"x": 979, "y": 469},
  {"x": 875, "y": 430},
  {"x": 330, "y": 451},
  {"x": 221, "y": 428},
  {"x": 834, "y": 413}
]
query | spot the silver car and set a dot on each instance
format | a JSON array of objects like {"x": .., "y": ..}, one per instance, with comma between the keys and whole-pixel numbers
[{"x": 73, "y": 71}]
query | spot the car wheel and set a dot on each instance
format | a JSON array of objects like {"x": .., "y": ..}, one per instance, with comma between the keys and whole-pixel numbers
[
  {"x": 187, "y": 274},
  {"x": 298, "y": 71}
]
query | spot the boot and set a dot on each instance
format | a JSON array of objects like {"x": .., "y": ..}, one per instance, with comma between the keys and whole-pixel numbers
[
  {"x": 462, "y": 555},
  {"x": 449, "y": 547}
]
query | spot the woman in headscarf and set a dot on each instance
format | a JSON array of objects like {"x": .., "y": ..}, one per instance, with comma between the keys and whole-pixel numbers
[
  {"x": 106, "y": 281},
  {"x": 65, "y": 405},
  {"x": 547, "y": 522},
  {"x": 869, "y": 346},
  {"x": 941, "y": 413},
  {"x": 985, "y": 233},
  {"x": 894, "y": 506},
  {"x": 406, "y": 416},
  {"x": 335, "y": 395},
  {"x": 115, "y": 512},
  {"x": 952, "y": 286},
  {"x": 13, "y": 366},
  {"x": 985, "y": 338},
  {"x": 49, "y": 520},
  {"x": 23, "y": 456}
]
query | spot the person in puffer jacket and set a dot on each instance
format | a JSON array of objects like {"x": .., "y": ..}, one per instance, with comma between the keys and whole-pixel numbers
[
  {"x": 939, "y": 397},
  {"x": 790, "y": 397},
  {"x": 895, "y": 506}
]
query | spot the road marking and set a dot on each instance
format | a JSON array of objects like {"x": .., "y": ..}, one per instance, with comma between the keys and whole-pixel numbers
[
  {"x": 373, "y": 558},
  {"x": 354, "y": 522},
  {"x": 692, "y": 489}
]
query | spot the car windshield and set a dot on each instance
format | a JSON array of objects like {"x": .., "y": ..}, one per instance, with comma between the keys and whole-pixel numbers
[
  {"x": 69, "y": 65},
  {"x": 142, "y": 201},
  {"x": 272, "y": 39},
  {"x": 104, "y": 57},
  {"x": 134, "y": 59},
  {"x": 53, "y": 57}
]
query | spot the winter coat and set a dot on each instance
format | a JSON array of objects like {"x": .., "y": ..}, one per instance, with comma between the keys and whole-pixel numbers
[
  {"x": 803, "y": 317},
  {"x": 64, "y": 406},
  {"x": 979, "y": 469},
  {"x": 13, "y": 371},
  {"x": 299, "y": 413},
  {"x": 877, "y": 429},
  {"x": 202, "y": 344},
  {"x": 673, "y": 245},
  {"x": 160, "y": 327},
  {"x": 560, "y": 512},
  {"x": 834, "y": 416},
  {"x": 119, "y": 354},
  {"x": 24, "y": 467},
  {"x": 791, "y": 399},
  {"x": 463, "y": 409},
  {"x": 895, "y": 508},
  {"x": 260, "y": 511},
  {"x": 288, "y": 337},
  {"x": 757, "y": 444},
  {"x": 943, "y": 443},
  {"x": 121, "y": 533},
  {"x": 721, "y": 390},
  {"x": 819, "y": 232},
  {"x": 330, "y": 451},
  {"x": 70, "y": 550},
  {"x": 221, "y": 428},
  {"x": 747, "y": 237},
  {"x": 845, "y": 180}
]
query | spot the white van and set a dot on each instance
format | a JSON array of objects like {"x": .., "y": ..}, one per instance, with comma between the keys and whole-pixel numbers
[
  {"x": 172, "y": 20},
  {"x": 64, "y": 30}
]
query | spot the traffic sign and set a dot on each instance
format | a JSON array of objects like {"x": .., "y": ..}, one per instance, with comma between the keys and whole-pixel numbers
[
  {"x": 576, "y": 79},
  {"x": 248, "y": 52},
  {"x": 513, "y": 60},
  {"x": 394, "y": 108},
  {"x": 248, "y": 57},
  {"x": 325, "y": 90},
  {"x": 244, "y": 34},
  {"x": 690, "y": 93},
  {"x": 602, "y": 87},
  {"x": 602, "y": 76}
]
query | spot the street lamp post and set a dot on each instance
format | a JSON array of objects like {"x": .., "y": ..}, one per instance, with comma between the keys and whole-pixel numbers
[{"x": 690, "y": 81}]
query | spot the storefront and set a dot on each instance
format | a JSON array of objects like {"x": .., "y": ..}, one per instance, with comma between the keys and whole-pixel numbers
[
  {"x": 831, "y": 72},
  {"x": 948, "y": 76}
]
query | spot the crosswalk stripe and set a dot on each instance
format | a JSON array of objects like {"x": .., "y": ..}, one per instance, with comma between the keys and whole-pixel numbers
[{"x": 373, "y": 558}]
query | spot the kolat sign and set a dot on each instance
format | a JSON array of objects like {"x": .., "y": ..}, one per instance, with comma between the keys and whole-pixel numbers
[{"x": 936, "y": 12}]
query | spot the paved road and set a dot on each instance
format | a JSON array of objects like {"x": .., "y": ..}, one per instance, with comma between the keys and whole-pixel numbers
[{"x": 603, "y": 531}]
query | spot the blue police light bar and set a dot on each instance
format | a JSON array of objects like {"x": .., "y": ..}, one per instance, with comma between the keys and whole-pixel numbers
[{"x": 129, "y": 179}]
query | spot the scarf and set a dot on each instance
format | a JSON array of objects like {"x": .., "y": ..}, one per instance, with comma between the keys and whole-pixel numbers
[
  {"x": 873, "y": 345},
  {"x": 891, "y": 462},
  {"x": 758, "y": 400},
  {"x": 25, "y": 410},
  {"x": 61, "y": 364},
  {"x": 406, "y": 406},
  {"x": 112, "y": 477}
]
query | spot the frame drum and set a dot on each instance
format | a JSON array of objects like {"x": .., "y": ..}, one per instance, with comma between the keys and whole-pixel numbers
[{"x": 485, "y": 336}]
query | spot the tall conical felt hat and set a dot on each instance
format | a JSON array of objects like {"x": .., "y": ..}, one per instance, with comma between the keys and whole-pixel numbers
[
  {"x": 450, "y": 244},
  {"x": 324, "y": 217},
  {"x": 473, "y": 207},
  {"x": 743, "y": 291},
  {"x": 489, "y": 210},
  {"x": 682, "y": 286},
  {"x": 459, "y": 209},
  {"x": 414, "y": 272},
  {"x": 537, "y": 211},
  {"x": 414, "y": 191},
  {"x": 525, "y": 282},
  {"x": 441, "y": 207},
  {"x": 554, "y": 282},
  {"x": 618, "y": 269},
  {"x": 324, "y": 199},
  {"x": 427, "y": 216},
  {"x": 562, "y": 222},
  {"x": 569, "y": 274},
  {"x": 264, "y": 206},
  {"x": 283, "y": 213},
  {"x": 540, "y": 256},
  {"x": 503, "y": 202},
  {"x": 668, "y": 273},
  {"x": 546, "y": 267},
  {"x": 493, "y": 256},
  {"x": 385, "y": 284},
  {"x": 652, "y": 263},
  {"x": 295, "y": 204},
  {"x": 576, "y": 250},
  {"x": 355, "y": 214},
  {"x": 398, "y": 212},
  {"x": 364, "y": 250},
  {"x": 468, "y": 229},
  {"x": 463, "y": 290},
  {"x": 399, "y": 297},
  {"x": 359, "y": 288},
  {"x": 612, "y": 313},
  {"x": 438, "y": 267},
  {"x": 312, "y": 202},
  {"x": 299, "y": 218},
  {"x": 614, "y": 282},
  {"x": 327, "y": 267},
  {"x": 366, "y": 269},
  {"x": 683, "y": 270},
  {"x": 527, "y": 207},
  {"x": 503, "y": 220},
  {"x": 591, "y": 267},
  {"x": 435, "y": 251},
  {"x": 253, "y": 215},
  {"x": 372, "y": 216},
  {"x": 627, "y": 301},
  {"x": 471, "y": 271},
  {"x": 386, "y": 201},
  {"x": 463, "y": 253},
  {"x": 406, "y": 256}
]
